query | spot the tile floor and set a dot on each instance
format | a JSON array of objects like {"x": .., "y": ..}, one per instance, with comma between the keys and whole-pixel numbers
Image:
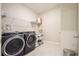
[{"x": 47, "y": 49}]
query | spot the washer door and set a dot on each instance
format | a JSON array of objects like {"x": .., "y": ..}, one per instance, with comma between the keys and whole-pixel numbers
[
  {"x": 13, "y": 46},
  {"x": 31, "y": 39}
]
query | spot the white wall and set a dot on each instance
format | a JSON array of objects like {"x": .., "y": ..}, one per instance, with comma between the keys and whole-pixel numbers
[
  {"x": 69, "y": 26},
  {"x": 17, "y": 17}
]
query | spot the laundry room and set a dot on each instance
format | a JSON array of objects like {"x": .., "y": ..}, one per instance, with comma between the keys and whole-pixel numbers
[{"x": 39, "y": 29}]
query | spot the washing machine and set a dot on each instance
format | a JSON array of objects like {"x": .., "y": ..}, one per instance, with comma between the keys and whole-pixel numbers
[
  {"x": 12, "y": 44},
  {"x": 30, "y": 41}
]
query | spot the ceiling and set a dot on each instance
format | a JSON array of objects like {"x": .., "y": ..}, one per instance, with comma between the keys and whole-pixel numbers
[{"x": 41, "y": 7}]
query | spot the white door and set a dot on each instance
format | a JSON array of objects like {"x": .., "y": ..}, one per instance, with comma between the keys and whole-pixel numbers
[
  {"x": 52, "y": 25},
  {"x": 52, "y": 33},
  {"x": 69, "y": 26}
]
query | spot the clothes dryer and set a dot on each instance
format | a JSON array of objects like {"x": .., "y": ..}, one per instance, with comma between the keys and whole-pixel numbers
[{"x": 12, "y": 44}]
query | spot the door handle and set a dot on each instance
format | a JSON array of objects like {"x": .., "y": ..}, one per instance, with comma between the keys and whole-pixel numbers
[{"x": 76, "y": 36}]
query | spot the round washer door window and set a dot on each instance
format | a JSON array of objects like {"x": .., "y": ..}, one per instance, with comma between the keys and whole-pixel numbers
[
  {"x": 13, "y": 46},
  {"x": 31, "y": 39}
]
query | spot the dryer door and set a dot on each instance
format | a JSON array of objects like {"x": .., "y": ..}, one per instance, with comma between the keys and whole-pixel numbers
[
  {"x": 31, "y": 39},
  {"x": 13, "y": 46}
]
